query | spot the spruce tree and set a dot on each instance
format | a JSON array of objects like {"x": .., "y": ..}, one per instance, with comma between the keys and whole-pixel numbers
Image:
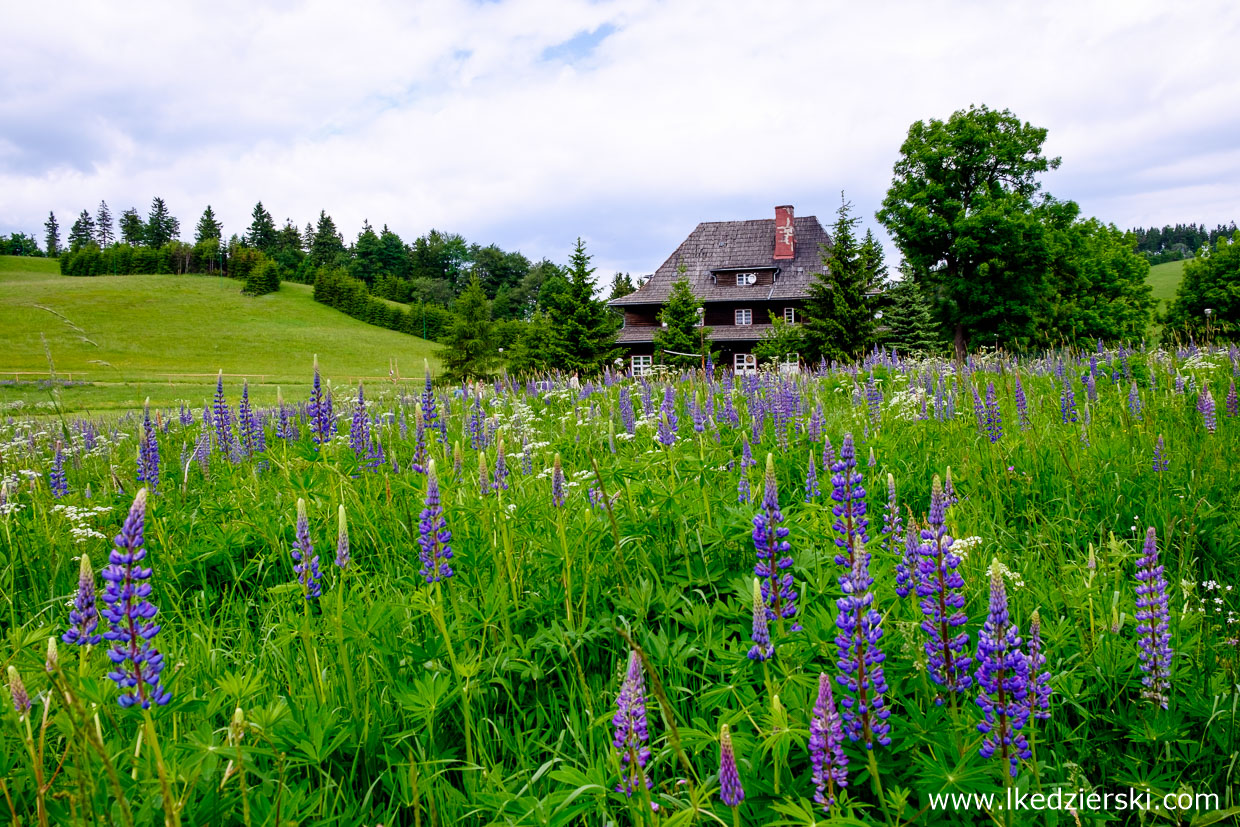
[
  {"x": 82, "y": 232},
  {"x": 103, "y": 226},
  {"x": 907, "y": 324},
  {"x": 839, "y": 316},
  {"x": 471, "y": 350},
  {"x": 133, "y": 231},
  {"x": 326, "y": 245},
  {"x": 584, "y": 326},
  {"x": 161, "y": 226},
  {"x": 53, "y": 235},
  {"x": 621, "y": 285},
  {"x": 262, "y": 234},
  {"x": 263, "y": 278},
  {"x": 681, "y": 342},
  {"x": 208, "y": 227}
]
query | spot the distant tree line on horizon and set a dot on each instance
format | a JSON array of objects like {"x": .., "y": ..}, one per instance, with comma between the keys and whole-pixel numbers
[{"x": 987, "y": 259}]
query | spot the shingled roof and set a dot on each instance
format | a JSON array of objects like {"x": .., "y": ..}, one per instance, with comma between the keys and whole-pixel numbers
[{"x": 737, "y": 245}]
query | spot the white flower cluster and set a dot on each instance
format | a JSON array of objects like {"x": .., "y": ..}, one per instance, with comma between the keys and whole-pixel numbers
[
  {"x": 961, "y": 546},
  {"x": 1201, "y": 360},
  {"x": 906, "y": 404},
  {"x": 78, "y": 517}
]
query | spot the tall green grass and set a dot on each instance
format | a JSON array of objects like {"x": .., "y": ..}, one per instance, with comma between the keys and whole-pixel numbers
[{"x": 488, "y": 699}]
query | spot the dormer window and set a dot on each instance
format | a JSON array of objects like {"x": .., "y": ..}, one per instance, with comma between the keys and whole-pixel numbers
[{"x": 746, "y": 279}]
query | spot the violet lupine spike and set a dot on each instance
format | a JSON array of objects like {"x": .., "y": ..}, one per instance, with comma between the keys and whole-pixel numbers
[
  {"x": 731, "y": 793},
  {"x": 828, "y": 454},
  {"x": 130, "y": 615},
  {"x": 1233, "y": 402},
  {"x": 359, "y": 428},
  {"x": 994, "y": 422},
  {"x": 315, "y": 408},
  {"x": 18, "y": 693},
  {"x": 56, "y": 479},
  {"x": 1039, "y": 696},
  {"x": 1067, "y": 404},
  {"x": 306, "y": 562},
  {"x": 435, "y": 540},
  {"x": 747, "y": 460},
  {"x": 762, "y": 648},
  {"x": 631, "y": 730},
  {"x": 826, "y": 747},
  {"x": 1003, "y": 675},
  {"x": 812, "y": 491},
  {"x": 557, "y": 482},
  {"x": 342, "y": 540},
  {"x": 743, "y": 492},
  {"x": 893, "y": 523},
  {"x": 84, "y": 616},
  {"x": 1022, "y": 406},
  {"x": 1153, "y": 624},
  {"x": 906, "y": 566},
  {"x": 221, "y": 415},
  {"x": 774, "y": 563},
  {"x": 849, "y": 509},
  {"x": 865, "y": 711},
  {"x": 1205, "y": 407},
  {"x": 1134, "y": 402},
  {"x": 1161, "y": 463},
  {"x": 939, "y": 586},
  {"x": 245, "y": 421},
  {"x": 500, "y": 480},
  {"x": 979, "y": 410}
]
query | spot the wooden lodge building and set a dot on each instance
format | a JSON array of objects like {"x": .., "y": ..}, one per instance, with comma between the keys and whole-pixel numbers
[{"x": 742, "y": 271}]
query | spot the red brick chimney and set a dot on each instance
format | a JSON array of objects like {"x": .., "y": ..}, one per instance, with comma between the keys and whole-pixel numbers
[{"x": 785, "y": 235}]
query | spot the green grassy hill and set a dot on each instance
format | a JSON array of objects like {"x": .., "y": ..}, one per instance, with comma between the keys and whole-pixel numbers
[
  {"x": 1164, "y": 279},
  {"x": 166, "y": 337}
]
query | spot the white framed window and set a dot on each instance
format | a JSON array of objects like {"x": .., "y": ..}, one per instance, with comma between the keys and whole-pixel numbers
[
  {"x": 746, "y": 279},
  {"x": 744, "y": 363},
  {"x": 744, "y": 316},
  {"x": 641, "y": 365},
  {"x": 790, "y": 315}
]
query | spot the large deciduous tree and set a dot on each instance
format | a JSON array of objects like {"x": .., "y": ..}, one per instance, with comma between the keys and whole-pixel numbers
[
  {"x": 1211, "y": 282},
  {"x": 959, "y": 207}
]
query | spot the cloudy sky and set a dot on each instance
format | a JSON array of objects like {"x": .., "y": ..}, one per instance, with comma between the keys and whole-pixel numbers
[{"x": 530, "y": 122}]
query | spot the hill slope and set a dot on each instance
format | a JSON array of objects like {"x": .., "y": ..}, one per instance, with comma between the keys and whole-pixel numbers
[
  {"x": 1165, "y": 279},
  {"x": 167, "y": 336}
]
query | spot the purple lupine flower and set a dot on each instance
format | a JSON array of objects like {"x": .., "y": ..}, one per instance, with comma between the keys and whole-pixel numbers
[
  {"x": 1091, "y": 387},
  {"x": 1205, "y": 407},
  {"x": 484, "y": 473},
  {"x": 730, "y": 791},
  {"x": 316, "y": 409},
  {"x": 849, "y": 508},
  {"x": 342, "y": 541},
  {"x": 18, "y": 693},
  {"x": 874, "y": 399},
  {"x": 418, "y": 463},
  {"x": 1134, "y": 402},
  {"x": 429, "y": 411},
  {"x": 1067, "y": 404},
  {"x": 743, "y": 492},
  {"x": 949, "y": 490},
  {"x": 130, "y": 615},
  {"x": 826, "y": 747},
  {"x": 1022, "y": 406},
  {"x": 359, "y": 428},
  {"x": 860, "y": 660},
  {"x": 747, "y": 460},
  {"x": 893, "y": 523},
  {"x": 631, "y": 731},
  {"x": 873, "y": 463},
  {"x": 812, "y": 491},
  {"x": 221, "y": 415},
  {"x": 1161, "y": 463},
  {"x": 627, "y": 417},
  {"x": 906, "y": 566},
  {"x": 994, "y": 423},
  {"x": 473, "y": 425},
  {"x": 828, "y": 454},
  {"x": 1233, "y": 402},
  {"x": 814, "y": 432},
  {"x": 774, "y": 563},
  {"x": 245, "y": 421},
  {"x": 500, "y": 480},
  {"x": 557, "y": 482},
  {"x": 306, "y": 562},
  {"x": 56, "y": 479},
  {"x": 1003, "y": 675},
  {"x": 1039, "y": 696},
  {"x": 762, "y": 648},
  {"x": 186, "y": 416},
  {"x": 435, "y": 538},
  {"x": 84, "y": 616},
  {"x": 979, "y": 410},
  {"x": 1153, "y": 624},
  {"x": 942, "y": 604}
]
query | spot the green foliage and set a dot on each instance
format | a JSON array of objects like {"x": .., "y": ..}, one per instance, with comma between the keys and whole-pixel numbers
[
  {"x": 470, "y": 342},
  {"x": 682, "y": 341},
  {"x": 82, "y": 232},
  {"x": 161, "y": 226},
  {"x": 327, "y": 246},
  {"x": 839, "y": 314},
  {"x": 208, "y": 229},
  {"x": 1099, "y": 284},
  {"x": 906, "y": 324},
  {"x": 19, "y": 244},
  {"x": 104, "y": 234},
  {"x": 960, "y": 208},
  {"x": 781, "y": 343},
  {"x": 52, "y": 238},
  {"x": 338, "y": 289},
  {"x": 1211, "y": 281},
  {"x": 584, "y": 329},
  {"x": 262, "y": 234},
  {"x": 264, "y": 278},
  {"x": 133, "y": 230},
  {"x": 441, "y": 256},
  {"x": 621, "y": 285},
  {"x": 365, "y": 263}
]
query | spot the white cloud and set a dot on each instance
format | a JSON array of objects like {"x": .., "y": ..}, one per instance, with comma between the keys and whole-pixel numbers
[{"x": 447, "y": 114}]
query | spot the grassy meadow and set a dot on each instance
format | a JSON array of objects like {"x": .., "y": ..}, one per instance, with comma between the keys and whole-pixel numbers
[
  {"x": 1164, "y": 280},
  {"x": 119, "y": 339},
  {"x": 352, "y": 691}
]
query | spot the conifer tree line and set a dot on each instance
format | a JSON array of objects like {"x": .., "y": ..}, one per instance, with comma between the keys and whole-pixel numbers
[{"x": 1173, "y": 243}]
